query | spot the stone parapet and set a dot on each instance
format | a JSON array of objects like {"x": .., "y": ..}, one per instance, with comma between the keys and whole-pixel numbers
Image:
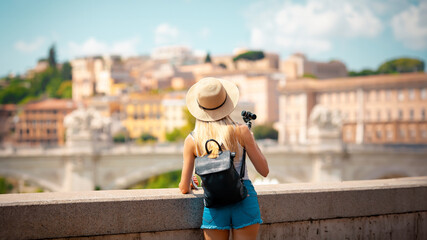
[{"x": 378, "y": 208}]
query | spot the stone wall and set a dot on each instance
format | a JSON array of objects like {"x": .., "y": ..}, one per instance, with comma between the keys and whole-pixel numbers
[{"x": 377, "y": 209}]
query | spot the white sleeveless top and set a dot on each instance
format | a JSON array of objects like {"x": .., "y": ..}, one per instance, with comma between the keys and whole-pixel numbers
[{"x": 237, "y": 163}]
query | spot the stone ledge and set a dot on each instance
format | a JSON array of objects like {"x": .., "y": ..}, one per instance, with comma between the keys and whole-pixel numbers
[{"x": 77, "y": 214}]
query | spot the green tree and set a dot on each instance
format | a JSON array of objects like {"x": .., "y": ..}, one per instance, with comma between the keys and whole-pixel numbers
[
  {"x": 5, "y": 186},
  {"x": 13, "y": 93},
  {"x": 66, "y": 71},
  {"x": 250, "y": 55},
  {"x": 223, "y": 65},
  {"x": 402, "y": 65},
  {"x": 146, "y": 137},
  {"x": 119, "y": 137},
  {"x": 65, "y": 90},
  {"x": 52, "y": 57},
  {"x": 208, "y": 58},
  {"x": 308, "y": 75},
  {"x": 166, "y": 180},
  {"x": 265, "y": 132},
  {"x": 364, "y": 72},
  {"x": 174, "y": 136}
]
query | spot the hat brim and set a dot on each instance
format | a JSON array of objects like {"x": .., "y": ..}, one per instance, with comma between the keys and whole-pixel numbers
[{"x": 213, "y": 115}]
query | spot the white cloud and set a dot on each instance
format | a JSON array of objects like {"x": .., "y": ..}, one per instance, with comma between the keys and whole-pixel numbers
[
  {"x": 166, "y": 34},
  {"x": 93, "y": 46},
  {"x": 28, "y": 47},
  {"x": 310, "y": 27},
  {"x": 410, "y": 26}
]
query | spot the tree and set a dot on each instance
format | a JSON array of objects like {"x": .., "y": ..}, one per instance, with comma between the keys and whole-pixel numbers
[
  {"x": 223, "y": 65},
  {"x": 208, "y": 58},
  {"x": 265, "y": 132},
  {"x": 65, "y": 90},
  {"x": 146, "y": 137},
  {"x": 402, "y": 65},
  {"x": 364, "y": 72},
  {"x": 52, "y": 56},
  {"x": 250, "y": 55},
  {"x": 119, "y": 137},
  {"x": 66, "y": 71}
]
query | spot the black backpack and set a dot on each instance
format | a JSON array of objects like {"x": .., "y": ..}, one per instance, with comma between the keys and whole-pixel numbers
[{"x": 221, "y": 183}]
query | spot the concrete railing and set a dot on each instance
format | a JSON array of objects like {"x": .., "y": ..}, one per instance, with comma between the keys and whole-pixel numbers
[{"x": 377, "y": 209}]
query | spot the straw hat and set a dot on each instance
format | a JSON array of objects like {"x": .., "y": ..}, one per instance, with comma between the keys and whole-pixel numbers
[{"x": 211, "y": 99}]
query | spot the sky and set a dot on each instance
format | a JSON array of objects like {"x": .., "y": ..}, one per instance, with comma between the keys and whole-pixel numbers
[{"x": 361, "y": 33}]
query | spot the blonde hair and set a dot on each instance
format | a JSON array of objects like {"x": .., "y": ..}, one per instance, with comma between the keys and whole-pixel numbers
[{"x": 221, "y": 130}]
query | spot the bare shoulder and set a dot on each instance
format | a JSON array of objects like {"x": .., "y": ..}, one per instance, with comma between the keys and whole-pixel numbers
[
  {"x": 242, "y": 132},
  {"x": 189, "y": 145}
]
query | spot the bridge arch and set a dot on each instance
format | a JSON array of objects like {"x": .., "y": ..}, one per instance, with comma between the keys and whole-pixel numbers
[
  {"x": 141, "y": 174},
  {"x": 33, "y": 179}
]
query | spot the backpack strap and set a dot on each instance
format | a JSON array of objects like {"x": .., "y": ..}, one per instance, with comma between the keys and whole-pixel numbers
[{"x": 242, "y": 168}]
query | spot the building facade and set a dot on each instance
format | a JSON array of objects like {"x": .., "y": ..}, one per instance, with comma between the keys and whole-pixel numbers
[
  {"x": 298, "y": 66},
  {"x": 42, "y": 123},
  {"x": 144, "y": 115},
  {"x": 375, "y": 109},
  {"x": 7, "y": 120}
]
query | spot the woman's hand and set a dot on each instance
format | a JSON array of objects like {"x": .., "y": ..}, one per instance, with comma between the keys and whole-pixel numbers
[{"x": 196, "y": 181}]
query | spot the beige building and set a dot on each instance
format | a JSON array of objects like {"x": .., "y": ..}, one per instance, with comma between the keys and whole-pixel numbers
[
  {"x": 270, "y": 62},
  {"x": 173, "y": 115},
  {"x": 7, "y": 120},
  {"x": 259, "y": 88},
  {"x": 375, "y": 109},
  {"x": 99, "y": 76},
  {"x": 42, "y": 123},
  {"x": 297, "y": 65}
]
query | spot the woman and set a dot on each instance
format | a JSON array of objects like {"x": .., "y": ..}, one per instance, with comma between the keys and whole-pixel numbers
[{"x": 210, "y": 101}]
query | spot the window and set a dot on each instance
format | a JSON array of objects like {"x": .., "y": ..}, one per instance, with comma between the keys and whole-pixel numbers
[
  {"x": 389, "y": 135},
  {"x": 388, "y": 95},
  {"x": 378, "y": 134},
  {"x": 400, "y": 115},
  {"x": 423, "y": 93},
  {"x": 402, "y": 133},
  {"x": 412, "y": 133},
  {"x": 411, "y": 94},
  {"x": 389, "y": 115},
  {"x": 400, "y": 96},
  {"x": 424, "y": 134},
  {"x": 411, "y": 114},
  {"x": 423, "y": 114}
]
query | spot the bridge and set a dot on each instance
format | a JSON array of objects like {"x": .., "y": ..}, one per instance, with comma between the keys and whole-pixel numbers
[{"x": 120, "y": 167}]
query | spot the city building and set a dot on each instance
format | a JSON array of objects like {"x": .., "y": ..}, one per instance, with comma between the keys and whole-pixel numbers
[
  {"x": 144, "y": 115},
  {"x": 259, "y": 88},
  {"x": 174, "y": 111},
  {"x": 271, "y": 61},
  {"x": 7, "y": 120},
  {"x": 375, "y": 109},
  {"x": 105, "y": 75},
  {"x": 42, "y": 122},
  {"x": 298, "y": 66}
]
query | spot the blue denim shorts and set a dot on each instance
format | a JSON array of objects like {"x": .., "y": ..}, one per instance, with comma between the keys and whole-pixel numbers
[{"x": 237, "y": 215}]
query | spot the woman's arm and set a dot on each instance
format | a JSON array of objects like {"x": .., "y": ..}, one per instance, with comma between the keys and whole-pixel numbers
[
  {"x": 188, "y": 165},
  {"x": 254, "y": 153}
]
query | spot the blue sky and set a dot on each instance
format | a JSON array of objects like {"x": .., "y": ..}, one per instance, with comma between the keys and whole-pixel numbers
[{"x": 361, "y": 33}]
